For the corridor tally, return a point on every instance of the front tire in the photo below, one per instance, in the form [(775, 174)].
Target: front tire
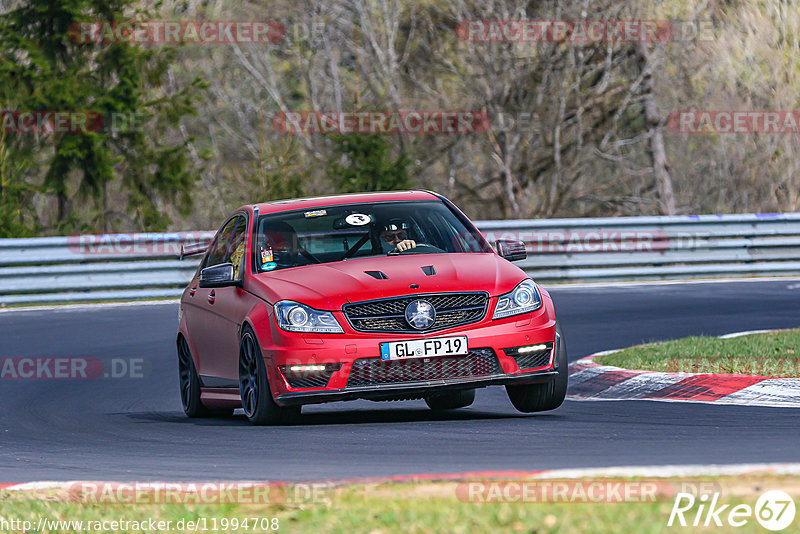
[(451, 400), (530, 398), (257, 401), (190, 386)]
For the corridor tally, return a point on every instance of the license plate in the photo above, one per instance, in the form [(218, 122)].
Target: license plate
[(424, 348)]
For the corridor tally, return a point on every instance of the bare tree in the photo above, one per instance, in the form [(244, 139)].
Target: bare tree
[(576, 128)]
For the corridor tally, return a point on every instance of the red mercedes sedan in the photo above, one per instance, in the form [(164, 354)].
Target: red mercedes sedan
[(379, 296)]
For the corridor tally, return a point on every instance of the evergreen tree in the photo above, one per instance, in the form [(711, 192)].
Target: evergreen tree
[(15, 194), (44, 68), (368, 164)]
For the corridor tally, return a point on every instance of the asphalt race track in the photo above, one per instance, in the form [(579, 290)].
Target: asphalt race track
[(134, 428)]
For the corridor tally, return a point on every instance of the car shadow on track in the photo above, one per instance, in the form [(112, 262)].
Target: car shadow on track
[(348, 417)]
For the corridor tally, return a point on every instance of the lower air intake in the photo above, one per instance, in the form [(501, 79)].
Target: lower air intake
[(309, 379), (375, 372), (531, 360)]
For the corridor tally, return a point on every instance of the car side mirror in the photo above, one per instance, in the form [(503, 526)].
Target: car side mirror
[(510, 249), (218, 276)]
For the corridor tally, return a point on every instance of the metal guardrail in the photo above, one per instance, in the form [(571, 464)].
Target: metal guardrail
[(95, 267), (144, 266)]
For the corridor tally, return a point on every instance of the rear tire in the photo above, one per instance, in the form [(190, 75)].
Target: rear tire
[(190, 386), (530, 398), (257, 401), (451, 400)]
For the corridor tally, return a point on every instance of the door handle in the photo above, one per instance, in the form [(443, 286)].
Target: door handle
[(211, 297)]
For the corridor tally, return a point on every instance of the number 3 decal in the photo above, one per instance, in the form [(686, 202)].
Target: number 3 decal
[(357, 219)]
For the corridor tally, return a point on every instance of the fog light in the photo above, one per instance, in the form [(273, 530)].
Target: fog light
[(310, 369), (306, 368), (531, 348)]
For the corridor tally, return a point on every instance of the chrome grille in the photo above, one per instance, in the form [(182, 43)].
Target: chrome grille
[(374, 371), (388, 315)]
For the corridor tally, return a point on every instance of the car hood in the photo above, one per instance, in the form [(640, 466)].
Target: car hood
[(329, 286)]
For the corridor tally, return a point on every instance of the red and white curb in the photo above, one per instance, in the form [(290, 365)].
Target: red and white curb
[(656, 471), (591, 381)]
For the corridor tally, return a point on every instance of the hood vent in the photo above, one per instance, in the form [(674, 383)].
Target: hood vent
[(377, 275), (429, 270)]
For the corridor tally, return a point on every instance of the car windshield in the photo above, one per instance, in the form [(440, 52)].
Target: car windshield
[(339, 233)]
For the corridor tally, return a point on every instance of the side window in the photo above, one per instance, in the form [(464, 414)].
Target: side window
[(236, 249), (219, 252), (207, 257)]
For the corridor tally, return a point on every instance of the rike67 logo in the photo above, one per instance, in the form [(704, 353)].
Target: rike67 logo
[(774, 510)]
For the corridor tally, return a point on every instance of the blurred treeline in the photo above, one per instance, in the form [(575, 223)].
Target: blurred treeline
[(576, 129)]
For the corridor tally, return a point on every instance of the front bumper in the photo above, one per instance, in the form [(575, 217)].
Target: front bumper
[(410, 389), (284, 349)]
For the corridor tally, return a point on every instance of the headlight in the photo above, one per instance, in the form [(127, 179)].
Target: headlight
[(295, 317), (525, 298)]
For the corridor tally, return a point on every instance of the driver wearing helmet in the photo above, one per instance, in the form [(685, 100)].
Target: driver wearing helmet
[(396, 234)]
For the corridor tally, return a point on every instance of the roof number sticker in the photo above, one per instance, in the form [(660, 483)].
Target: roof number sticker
[(357, 219)]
